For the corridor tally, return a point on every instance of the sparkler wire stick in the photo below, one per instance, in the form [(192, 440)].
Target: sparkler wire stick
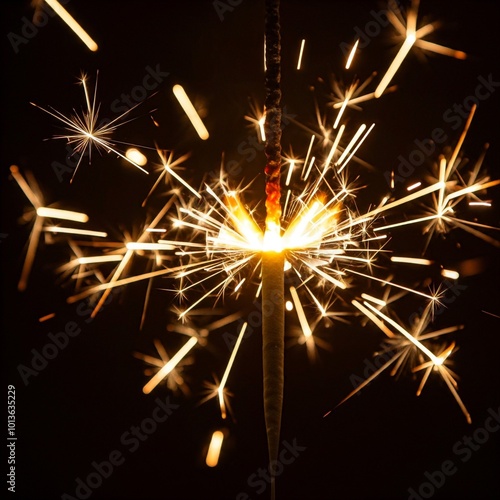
[(273, 302)]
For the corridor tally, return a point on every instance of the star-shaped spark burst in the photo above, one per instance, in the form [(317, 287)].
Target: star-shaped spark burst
[(84, 130), (413, 37), (455, 188), (409, 348)]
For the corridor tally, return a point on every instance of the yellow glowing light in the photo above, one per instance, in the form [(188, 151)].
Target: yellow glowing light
[(55, 213), (248, 234), (351, 55), (135, 156), (299, 62), (70, 21), (98, 259), (288, 305), (414, 186), (343, 106), (190, 111), (396, 63), (214, 449), (309, 226), (262, 129), (170, 365), (138, 245), (220, 390), (307, 155), (306, 329), (479, 204), (290, 172), (272, 241), (46, 317), (32, 197), (363, 98), (448, 273), (345, 162), (373, 317), (440, 49), (380, 302), (405, 333), (412, 260), (70, 230), (334, 148), (348, 148)]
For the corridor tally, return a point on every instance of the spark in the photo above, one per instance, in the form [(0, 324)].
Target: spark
[(135, 156), (448, 273), (46, 317), (261, 122), (70, 21), (330, 246), (414, 186), (139, 245), (41, 213), (412, 260), (172, 363), (396, 63), (55, 213), (190, 111), (306, 329), (299, 62), (406, 343), (451, 191), (351, 55), (370, 298), (72, 230), (220, 390), (99, 259), (348, 148), (214, 449), (412, 37)]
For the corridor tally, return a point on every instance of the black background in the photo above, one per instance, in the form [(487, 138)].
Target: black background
[(74, 412)]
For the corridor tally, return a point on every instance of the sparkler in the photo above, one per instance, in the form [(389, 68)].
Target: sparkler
[(317, 238)]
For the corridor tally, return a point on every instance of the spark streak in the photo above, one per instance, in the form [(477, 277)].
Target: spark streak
[(214, 449), (299, 62), (190, 111), (172, 363), (70, 21), (220, 390)]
